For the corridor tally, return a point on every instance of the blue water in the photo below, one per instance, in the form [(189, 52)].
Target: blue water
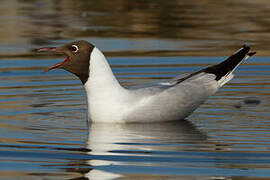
[(44, 131), (43, 117)]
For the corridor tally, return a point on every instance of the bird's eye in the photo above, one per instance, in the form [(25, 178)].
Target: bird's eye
[(74, 48)]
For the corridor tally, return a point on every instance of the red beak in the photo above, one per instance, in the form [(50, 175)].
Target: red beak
[(56, 65), (51, 49), (46, 49)]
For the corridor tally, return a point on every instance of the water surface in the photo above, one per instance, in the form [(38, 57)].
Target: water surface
[(43, 117), (44, 130)]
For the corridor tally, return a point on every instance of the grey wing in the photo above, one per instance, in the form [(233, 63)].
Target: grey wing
[(174, 101), (223, 72), (169, 83), (186, 78), (216, 74), (179, 97), (199, 80)]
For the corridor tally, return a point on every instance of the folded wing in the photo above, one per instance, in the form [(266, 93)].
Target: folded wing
[(222, 72)]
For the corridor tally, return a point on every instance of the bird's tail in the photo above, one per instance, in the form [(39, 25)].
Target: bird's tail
[(224, 70)]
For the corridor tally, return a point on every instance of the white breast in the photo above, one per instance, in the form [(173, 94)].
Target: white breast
[(107, 99)]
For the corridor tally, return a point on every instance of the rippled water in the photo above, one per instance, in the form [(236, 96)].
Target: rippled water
[(44, 131), (43, 117)]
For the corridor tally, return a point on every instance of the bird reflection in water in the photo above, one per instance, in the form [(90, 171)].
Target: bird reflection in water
[(112, 145)]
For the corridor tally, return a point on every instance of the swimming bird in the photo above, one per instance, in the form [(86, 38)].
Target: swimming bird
[(172, 100)]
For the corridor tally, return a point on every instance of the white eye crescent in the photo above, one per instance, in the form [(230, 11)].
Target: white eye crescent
[(74, 48)]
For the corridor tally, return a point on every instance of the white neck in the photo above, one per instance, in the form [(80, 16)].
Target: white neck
[(100, 73), (102, 88)]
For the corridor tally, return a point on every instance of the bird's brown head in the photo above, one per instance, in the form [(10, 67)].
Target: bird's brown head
[(78, 58)]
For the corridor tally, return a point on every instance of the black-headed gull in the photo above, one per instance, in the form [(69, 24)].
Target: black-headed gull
[(173, 100)]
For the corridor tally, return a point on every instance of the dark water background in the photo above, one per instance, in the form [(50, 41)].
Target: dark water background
[(43, 128)]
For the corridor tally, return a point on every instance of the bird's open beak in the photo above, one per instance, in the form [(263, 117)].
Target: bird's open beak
[(52, 49), (47, 49)]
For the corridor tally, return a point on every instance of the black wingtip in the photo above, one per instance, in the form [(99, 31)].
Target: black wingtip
[(230, 63), (245, 47), (251, 54), (227, 66)]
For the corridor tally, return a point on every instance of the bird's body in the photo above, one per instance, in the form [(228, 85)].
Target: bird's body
[(174, 100), (108, 101)]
